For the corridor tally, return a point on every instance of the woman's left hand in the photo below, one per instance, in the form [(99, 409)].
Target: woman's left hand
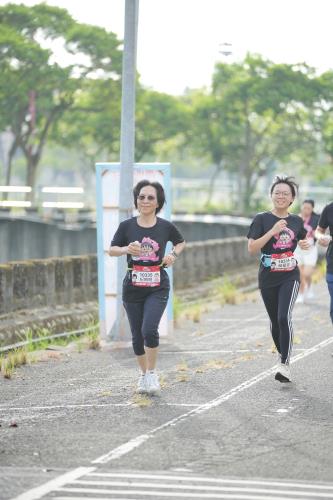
[(304, 244), (168, 260)]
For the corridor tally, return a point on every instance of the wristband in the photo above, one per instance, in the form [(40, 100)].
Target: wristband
[(174, 254)]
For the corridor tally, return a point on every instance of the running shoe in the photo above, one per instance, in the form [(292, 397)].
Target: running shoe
[(309, 293), (153, 384), (283, 373), (141, 387)]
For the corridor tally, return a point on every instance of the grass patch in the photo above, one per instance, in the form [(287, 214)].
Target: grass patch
[(194, 312), (94, 341), (182, 366), (38, 340), (214, 364), (13, 360), (227, 292), (141, 400)]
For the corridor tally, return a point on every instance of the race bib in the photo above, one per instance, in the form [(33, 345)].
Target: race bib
[(283, 262), (146, 276)]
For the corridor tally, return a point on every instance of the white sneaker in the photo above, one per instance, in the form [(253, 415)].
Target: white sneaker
[(153, 384), (283, 373), (309, 293), (300, 299), (141, 387)]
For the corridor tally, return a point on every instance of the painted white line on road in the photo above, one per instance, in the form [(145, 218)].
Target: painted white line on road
[(224, 488), (230, 327), (168, 477), (52, 485), (226, 351), (243, 496), (63, 407), (106, 405), (130, 445)]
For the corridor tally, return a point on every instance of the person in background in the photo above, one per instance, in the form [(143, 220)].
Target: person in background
[(307, 259), (325, 240)]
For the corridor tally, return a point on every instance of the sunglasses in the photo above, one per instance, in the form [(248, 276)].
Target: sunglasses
[(149, 197)]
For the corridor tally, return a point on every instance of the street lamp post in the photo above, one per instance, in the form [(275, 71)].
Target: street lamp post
[(127, 145)]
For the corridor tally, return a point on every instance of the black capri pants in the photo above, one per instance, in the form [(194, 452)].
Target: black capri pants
[(144, 318)]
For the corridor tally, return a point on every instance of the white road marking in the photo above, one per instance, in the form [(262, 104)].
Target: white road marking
[(102, 405), (58, 482), (230, 327), (130, 445), (234, 494), (124, 449), (63, 407), (287, 484), (207, 488)]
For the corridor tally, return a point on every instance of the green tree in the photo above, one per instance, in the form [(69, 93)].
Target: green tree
[(256, 114), (37, 85), (159, 118)]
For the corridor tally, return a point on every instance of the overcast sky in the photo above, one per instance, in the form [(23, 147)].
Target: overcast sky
[(179, 40)]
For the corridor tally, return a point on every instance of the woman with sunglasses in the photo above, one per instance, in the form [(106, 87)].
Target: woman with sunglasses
[(146, 284), (275, 235)]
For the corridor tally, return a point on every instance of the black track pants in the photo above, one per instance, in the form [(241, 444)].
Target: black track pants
[(279, 302)]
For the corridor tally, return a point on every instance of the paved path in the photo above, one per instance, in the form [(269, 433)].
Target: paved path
[(223, 427)]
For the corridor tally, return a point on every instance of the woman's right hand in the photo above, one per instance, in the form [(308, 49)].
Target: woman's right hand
[(134, 248), (278, 227)]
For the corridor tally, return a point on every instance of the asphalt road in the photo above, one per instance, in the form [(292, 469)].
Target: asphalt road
[(223, 427)]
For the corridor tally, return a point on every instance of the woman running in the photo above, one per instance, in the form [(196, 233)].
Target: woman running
[(275, 234), (146, 285), (325, 240), (307, 259)]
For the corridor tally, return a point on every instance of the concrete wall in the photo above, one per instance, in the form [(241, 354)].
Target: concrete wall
[(22, 239), (41, 283)]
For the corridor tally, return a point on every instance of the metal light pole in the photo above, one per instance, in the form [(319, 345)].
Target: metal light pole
[(127, 145)]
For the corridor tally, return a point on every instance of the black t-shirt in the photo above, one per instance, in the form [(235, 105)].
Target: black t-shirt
[(153, 242), (280, 243), (311, 225), (325, 221)]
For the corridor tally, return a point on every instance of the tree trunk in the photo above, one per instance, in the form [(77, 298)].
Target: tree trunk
[(11, 154), (32, 163), (212, 181)]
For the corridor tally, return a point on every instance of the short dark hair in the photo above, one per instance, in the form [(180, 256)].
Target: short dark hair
[(311, 202), (285, 179), (159, 193)]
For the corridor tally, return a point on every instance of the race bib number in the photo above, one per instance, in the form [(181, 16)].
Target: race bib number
[(283, 262), (146, 276)]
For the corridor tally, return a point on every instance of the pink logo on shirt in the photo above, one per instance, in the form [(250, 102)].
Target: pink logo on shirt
[(149, 249), (284, 239)]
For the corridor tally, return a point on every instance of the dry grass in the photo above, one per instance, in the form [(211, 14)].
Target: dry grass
[(182, 366), (163, 382), (246, 357), (14, 359), (141, 400), (183, 377), (214, 364), (94, 341), (105, 394), (228, 294)]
